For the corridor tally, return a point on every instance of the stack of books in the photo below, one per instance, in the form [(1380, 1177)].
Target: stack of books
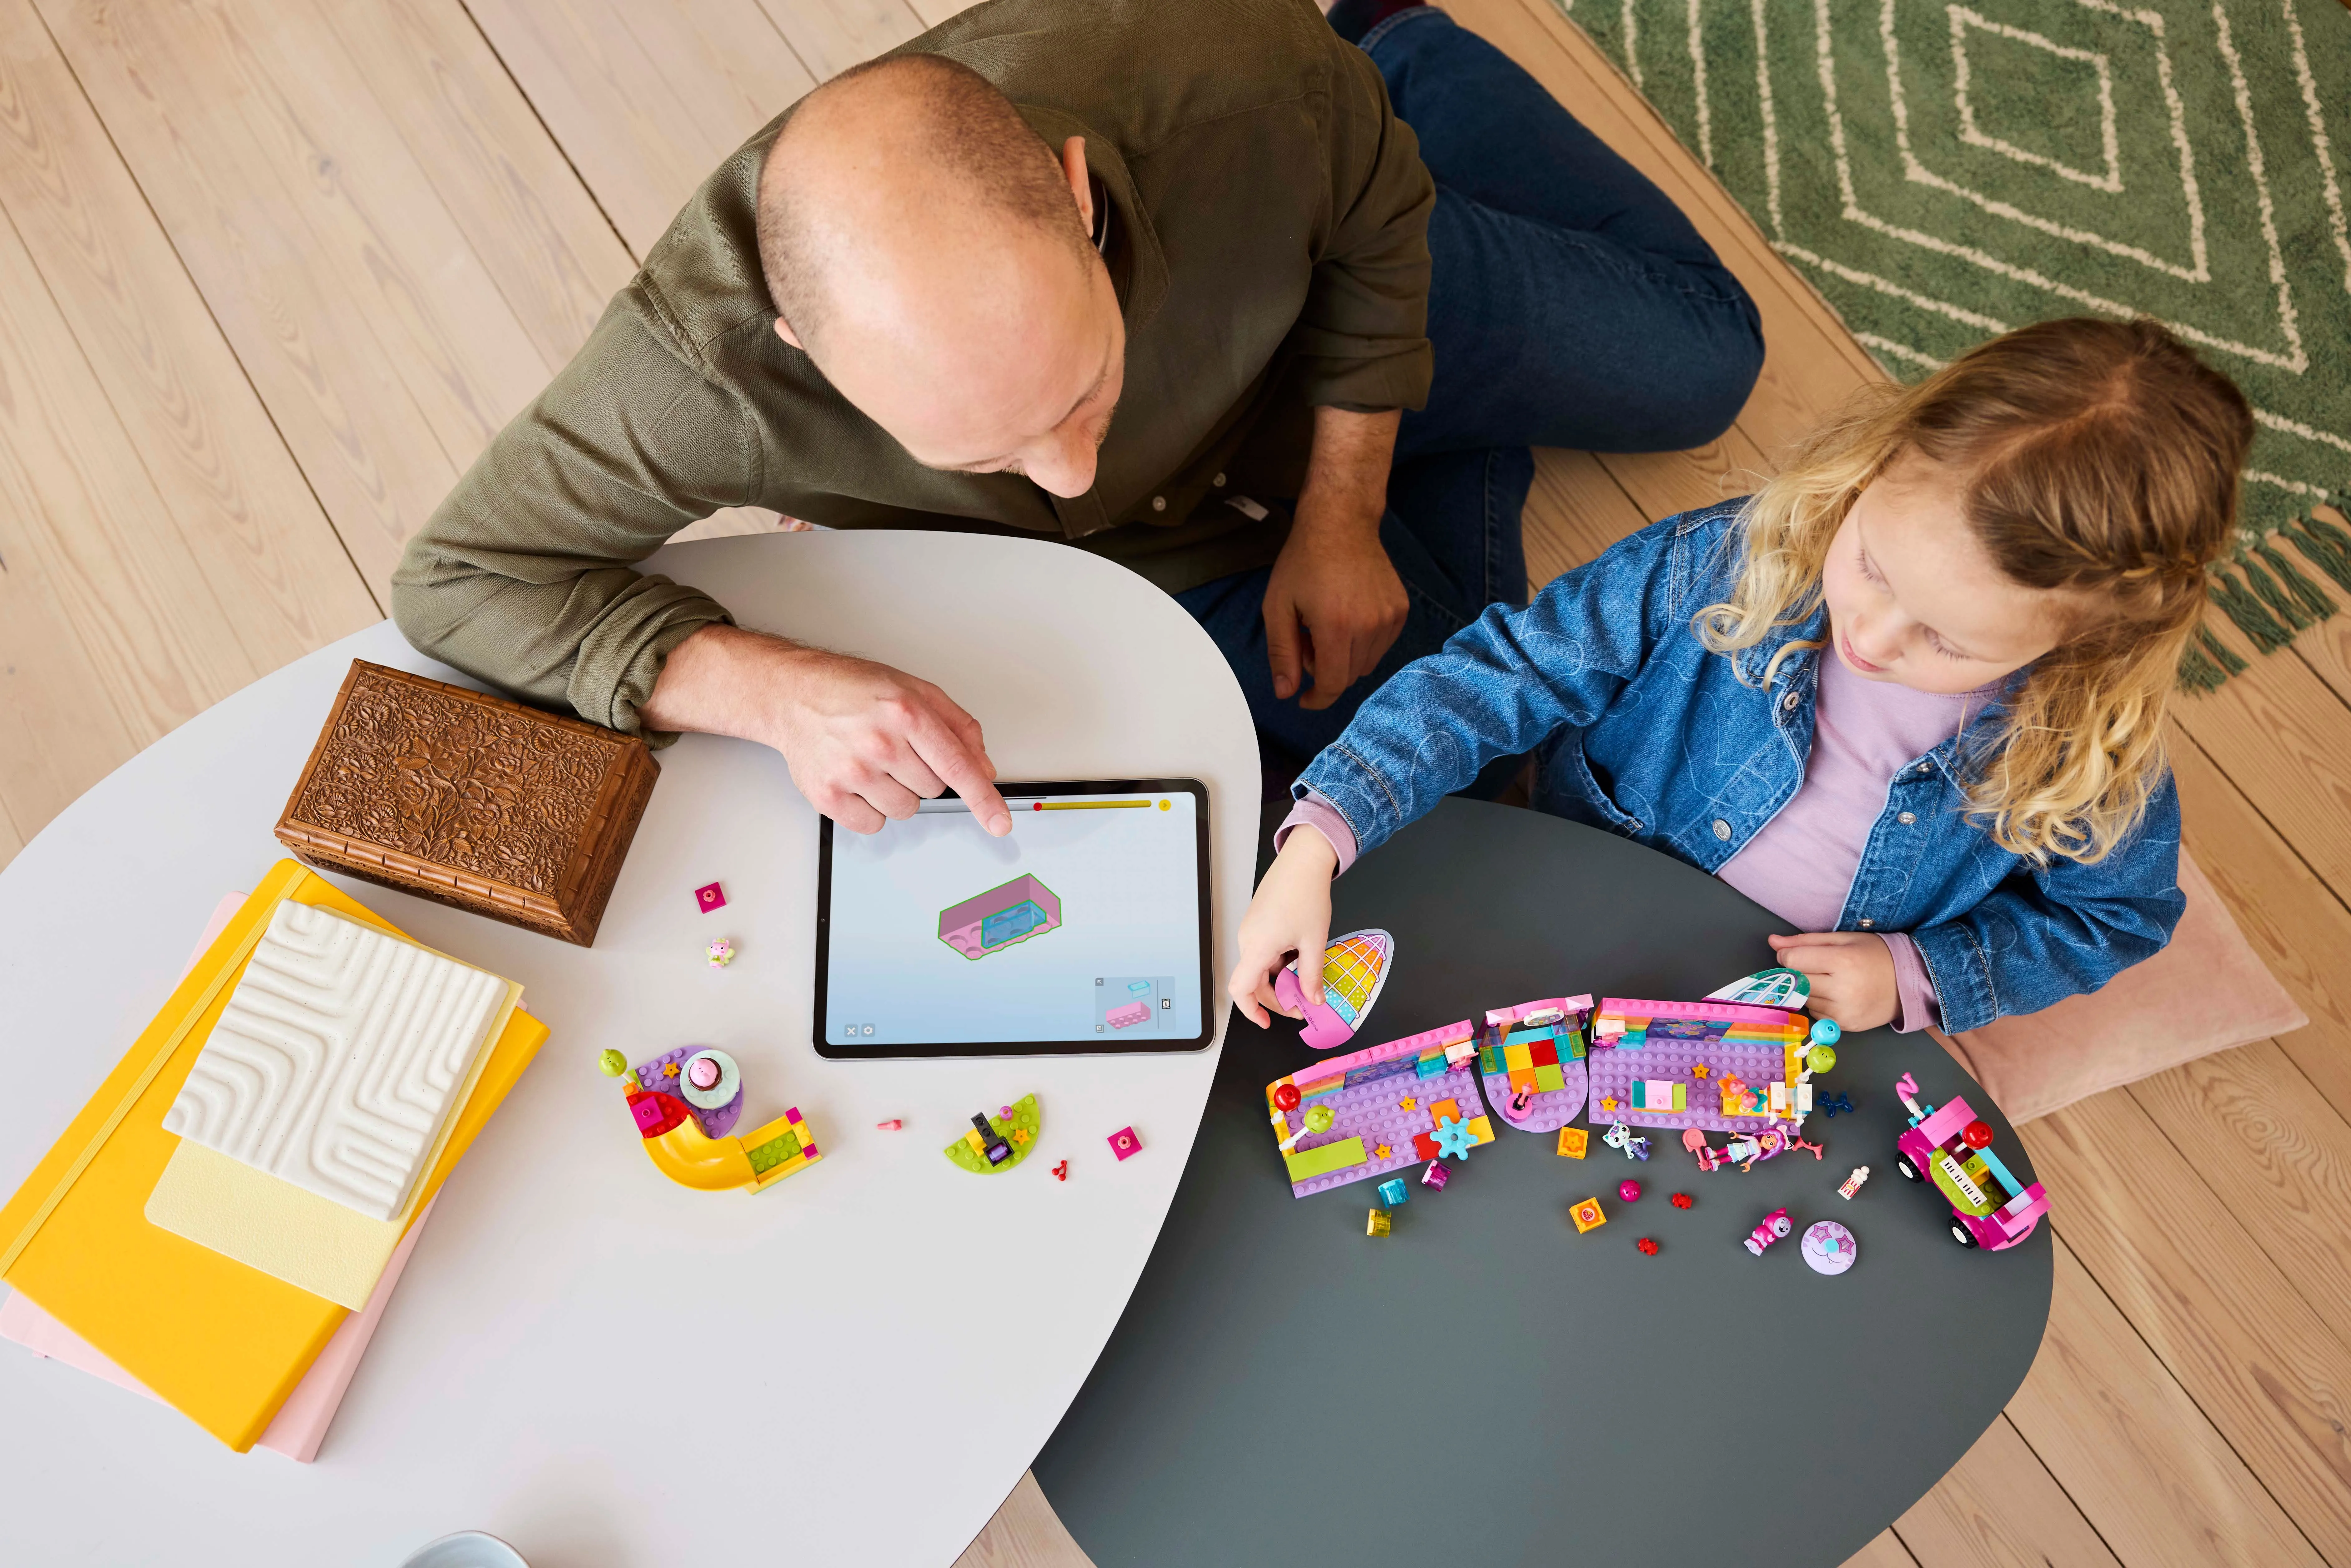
[(221, 1227)]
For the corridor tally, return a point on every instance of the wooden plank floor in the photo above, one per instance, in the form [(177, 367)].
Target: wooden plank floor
[(273, 271)]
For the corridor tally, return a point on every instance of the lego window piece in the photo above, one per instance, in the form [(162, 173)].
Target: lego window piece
[(1355, 970), (1008, 1141)]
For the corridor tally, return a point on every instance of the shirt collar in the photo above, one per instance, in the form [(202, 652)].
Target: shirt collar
[(1129, 246)]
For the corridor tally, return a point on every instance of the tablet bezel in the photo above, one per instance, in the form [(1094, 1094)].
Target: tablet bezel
[(1090, 1045)]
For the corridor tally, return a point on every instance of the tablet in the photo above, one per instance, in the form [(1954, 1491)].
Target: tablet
[(1084, 929)]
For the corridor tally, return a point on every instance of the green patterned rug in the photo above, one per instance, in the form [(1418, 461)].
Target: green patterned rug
[(1943, 172)]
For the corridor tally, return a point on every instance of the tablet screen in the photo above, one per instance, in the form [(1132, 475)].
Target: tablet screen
[(1084, 929)]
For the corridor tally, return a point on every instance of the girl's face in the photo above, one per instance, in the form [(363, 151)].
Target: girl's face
[(1913, 598)]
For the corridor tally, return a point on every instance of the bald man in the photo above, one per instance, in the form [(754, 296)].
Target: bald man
[(1151, 279)]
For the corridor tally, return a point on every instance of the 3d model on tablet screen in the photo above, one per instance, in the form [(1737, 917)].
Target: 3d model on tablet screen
[(995, 920)]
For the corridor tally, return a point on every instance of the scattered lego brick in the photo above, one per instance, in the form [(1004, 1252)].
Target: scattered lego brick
[(1574, 1142), (1587, 1215), (1123, 1142), (709, 897)]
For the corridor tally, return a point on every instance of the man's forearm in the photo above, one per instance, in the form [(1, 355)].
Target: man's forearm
[(1347, 472), (723, 680)]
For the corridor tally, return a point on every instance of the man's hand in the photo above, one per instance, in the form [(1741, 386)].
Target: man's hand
[(863, 741), (1334, 603), (1851, 973)]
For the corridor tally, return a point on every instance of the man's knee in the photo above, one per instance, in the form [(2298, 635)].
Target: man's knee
[(1712, 384)]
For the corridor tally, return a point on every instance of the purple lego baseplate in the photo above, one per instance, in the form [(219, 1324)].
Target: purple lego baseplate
[(1367, 1091), (652, 1074), (1614, 1071)]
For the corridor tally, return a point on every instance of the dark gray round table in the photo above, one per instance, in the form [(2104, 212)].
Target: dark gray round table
[(1486, 1385)]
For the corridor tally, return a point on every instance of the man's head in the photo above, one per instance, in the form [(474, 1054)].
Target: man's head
[(932, 255)]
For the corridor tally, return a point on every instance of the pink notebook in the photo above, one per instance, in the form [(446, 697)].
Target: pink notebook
[(301, 1423)]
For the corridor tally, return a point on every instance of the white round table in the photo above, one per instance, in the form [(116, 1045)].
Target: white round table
[(853, 1367)]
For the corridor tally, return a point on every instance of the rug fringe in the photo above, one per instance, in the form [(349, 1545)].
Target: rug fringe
[(2262, 629), (2324, 544)]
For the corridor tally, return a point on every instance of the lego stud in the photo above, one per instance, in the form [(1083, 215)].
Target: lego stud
[(1394, 1193), (1377, 1225), (612, 1064), (1648, 1246), (1630, 1191), (1682, 1200), (1123, 1142)]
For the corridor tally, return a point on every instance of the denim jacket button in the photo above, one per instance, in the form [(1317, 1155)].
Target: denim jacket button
[(1907, 817), (1722, 829), (1633, 824), (1788, 703), (1867, 923)]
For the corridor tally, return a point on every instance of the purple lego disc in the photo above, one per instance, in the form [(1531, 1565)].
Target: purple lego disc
[(1829, 1248)]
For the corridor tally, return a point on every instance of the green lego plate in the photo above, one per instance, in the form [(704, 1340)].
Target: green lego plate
[(1020, 1129)]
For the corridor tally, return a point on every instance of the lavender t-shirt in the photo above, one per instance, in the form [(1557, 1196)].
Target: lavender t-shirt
[(1801, 865)]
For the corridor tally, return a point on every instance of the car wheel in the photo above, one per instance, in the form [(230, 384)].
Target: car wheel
[(1963, 1236), (1909, 1172)]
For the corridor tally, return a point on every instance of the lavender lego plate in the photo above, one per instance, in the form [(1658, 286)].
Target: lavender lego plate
[(1525, 1049)]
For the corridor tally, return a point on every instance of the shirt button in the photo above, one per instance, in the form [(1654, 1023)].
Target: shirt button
[(1867, 923), (1158, 503), (1907, 817), (1722, 829), (1218, 481)]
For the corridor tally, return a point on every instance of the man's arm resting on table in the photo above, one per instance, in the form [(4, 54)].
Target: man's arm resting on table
[(863, 741), (1334, 604)]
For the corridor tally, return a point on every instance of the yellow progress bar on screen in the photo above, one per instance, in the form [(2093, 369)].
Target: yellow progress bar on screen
[(1084, 805)]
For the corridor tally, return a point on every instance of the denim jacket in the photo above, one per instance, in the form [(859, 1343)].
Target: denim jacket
[(1637, 729)]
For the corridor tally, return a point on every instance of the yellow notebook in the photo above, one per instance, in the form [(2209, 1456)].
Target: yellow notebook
[(223, 1343)]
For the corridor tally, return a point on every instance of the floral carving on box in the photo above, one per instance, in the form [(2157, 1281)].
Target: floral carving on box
[(482, 788)]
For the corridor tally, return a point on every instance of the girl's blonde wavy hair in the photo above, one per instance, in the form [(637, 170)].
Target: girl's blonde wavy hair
[(2096, 457)]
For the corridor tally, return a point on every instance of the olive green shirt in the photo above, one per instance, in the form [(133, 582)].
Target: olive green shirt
[(1268, 240)]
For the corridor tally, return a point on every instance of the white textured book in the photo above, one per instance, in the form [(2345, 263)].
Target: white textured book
[(339, 1056)]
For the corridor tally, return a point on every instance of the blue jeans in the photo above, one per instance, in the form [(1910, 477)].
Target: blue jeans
[(1570, 305)]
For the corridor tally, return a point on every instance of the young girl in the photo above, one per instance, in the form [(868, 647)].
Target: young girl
[(1908, 697)]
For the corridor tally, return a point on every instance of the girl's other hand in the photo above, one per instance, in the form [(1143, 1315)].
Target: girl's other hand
[(1851, 973), (1290, 915)]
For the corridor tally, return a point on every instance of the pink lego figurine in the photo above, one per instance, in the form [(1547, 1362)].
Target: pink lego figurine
[(1775, 1225)]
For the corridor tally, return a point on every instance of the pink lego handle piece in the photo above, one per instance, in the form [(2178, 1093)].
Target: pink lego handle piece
[(1325, 1030)]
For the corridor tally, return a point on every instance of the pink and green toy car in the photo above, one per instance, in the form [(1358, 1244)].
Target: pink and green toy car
[(1951, 1148)]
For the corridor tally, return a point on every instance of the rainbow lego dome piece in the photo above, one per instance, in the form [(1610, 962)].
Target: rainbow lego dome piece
[(1354, 968)]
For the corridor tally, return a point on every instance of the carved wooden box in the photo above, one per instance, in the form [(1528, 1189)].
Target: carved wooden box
[(470, 800)]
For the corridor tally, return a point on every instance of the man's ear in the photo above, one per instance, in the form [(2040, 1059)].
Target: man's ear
[(1081, 185), (784, 331)]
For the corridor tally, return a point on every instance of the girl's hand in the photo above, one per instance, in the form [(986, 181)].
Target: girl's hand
[(1851, 973), (1289, 916)]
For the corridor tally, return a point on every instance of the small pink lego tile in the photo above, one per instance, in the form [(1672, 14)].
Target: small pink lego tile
[(709, 897), (1123, 1142)]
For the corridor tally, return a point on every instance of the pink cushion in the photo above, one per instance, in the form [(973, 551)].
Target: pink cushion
[(2203, 993)]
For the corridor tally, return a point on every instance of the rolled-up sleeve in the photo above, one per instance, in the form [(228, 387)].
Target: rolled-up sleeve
[(1362, 340), (525, 576)]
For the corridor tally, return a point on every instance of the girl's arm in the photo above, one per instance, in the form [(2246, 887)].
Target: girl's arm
[(1500, 686), (2060, 930)]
